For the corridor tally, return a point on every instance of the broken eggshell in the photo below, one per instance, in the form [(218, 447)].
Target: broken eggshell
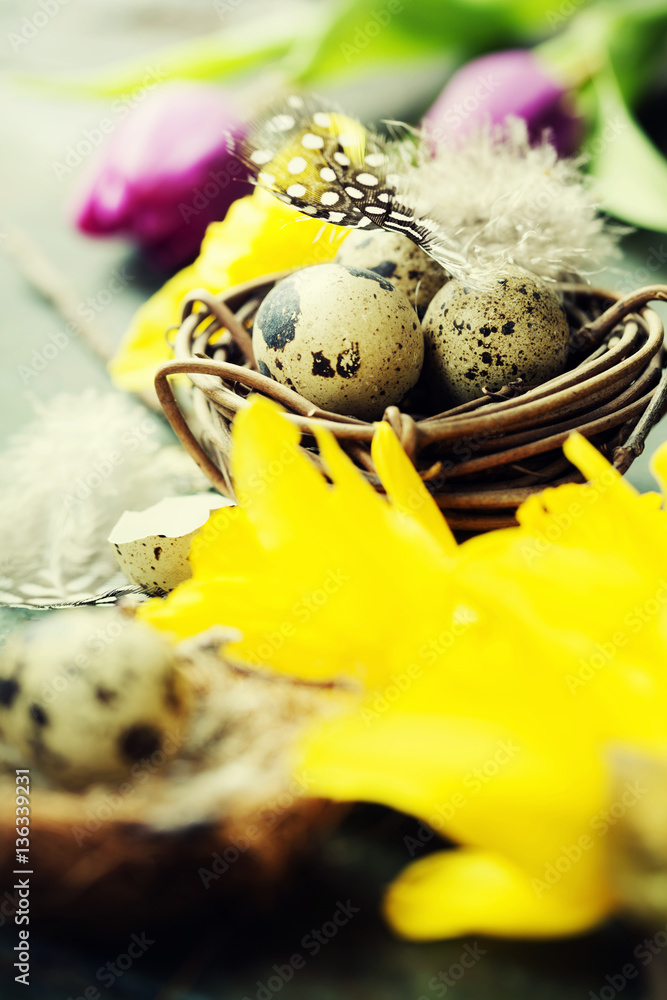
[(152, 546)]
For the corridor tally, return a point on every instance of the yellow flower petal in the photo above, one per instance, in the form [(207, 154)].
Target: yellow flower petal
[(405, 487), (363, 758), (468, 891), (272, 477)]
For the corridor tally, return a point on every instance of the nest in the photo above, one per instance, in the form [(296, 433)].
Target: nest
[(223, 820), (479, 460)]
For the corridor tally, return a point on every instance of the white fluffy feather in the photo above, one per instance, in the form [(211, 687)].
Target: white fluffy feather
[(65, 479), (500, 200)]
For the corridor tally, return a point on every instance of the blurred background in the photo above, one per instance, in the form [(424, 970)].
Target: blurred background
[(76, 75)]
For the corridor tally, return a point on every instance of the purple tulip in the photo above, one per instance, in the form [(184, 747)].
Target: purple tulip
[(165, 172), (494, 86)]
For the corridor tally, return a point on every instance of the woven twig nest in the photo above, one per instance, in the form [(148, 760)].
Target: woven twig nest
[(480, 460), (221, 817)]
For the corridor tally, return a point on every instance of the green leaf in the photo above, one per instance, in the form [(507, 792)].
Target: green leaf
[(358, 40), (629, 32), (630, 173), (637, 45), (363, 33)]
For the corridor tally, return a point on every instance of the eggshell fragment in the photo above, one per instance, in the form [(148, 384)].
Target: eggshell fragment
[(342, 336), (152, 546), (477, 339)]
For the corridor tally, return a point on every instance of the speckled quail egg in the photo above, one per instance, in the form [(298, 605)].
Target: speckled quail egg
[(343, 337), (87, 694), (397, 258), (477, 338)]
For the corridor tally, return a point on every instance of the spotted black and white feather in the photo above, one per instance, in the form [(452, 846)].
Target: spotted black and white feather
[(329, 166), (491, 200), (109, 598)]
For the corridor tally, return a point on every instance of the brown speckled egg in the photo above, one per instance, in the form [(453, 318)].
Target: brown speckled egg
[(341, 336), (490, 338), (90, 695), (397, 258)]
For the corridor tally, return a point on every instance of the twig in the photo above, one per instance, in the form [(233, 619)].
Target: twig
[(610, 318), (625, 454), (52, 285)]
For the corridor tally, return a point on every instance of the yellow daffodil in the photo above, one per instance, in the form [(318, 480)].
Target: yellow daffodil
[(251, 241), (315, 591), (501, 681)]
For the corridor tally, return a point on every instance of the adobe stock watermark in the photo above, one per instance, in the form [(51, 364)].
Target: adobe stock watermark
[(563, 13), (644, 953), (312, 943), (429, 653), (365, 33), (267, 818), (224, 7), (87, 309), (473, 782), (645, 274), (600, 825), (103, 468), (463, 450), (458, 113), (33, 24), (108, 973), (642, 614), (262, 479), (140, 773), (301, 612), (561, 521), (75, 153), (447, 978), (96, 641), (613, 129), (217, 182)]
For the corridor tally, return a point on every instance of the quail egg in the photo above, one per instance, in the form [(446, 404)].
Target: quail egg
[(342, 336), (397, 258), (490, 338), (88, 694)]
